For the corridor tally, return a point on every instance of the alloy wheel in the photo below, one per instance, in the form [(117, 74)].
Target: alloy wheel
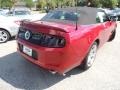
[(92, 55), (3, 36)]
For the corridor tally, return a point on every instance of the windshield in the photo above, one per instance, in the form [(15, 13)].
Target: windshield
[(61, 15), (22, 12)]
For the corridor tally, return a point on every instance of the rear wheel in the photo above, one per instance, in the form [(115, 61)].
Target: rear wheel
[(4, 36), (112, 36), (89, 60)]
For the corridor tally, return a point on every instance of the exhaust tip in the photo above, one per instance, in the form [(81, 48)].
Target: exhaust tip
[(53, 72)]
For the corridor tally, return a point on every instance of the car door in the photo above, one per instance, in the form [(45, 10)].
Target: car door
[(106, 26)]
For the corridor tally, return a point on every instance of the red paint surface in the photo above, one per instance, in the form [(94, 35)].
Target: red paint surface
[(78, 43)]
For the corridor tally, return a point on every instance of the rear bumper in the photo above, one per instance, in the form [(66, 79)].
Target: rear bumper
[(60, 60), (43, 65)]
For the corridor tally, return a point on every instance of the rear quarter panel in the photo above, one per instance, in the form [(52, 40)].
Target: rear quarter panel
[(80, 42)]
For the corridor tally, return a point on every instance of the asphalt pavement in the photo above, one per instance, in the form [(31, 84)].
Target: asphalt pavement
[(16, 73)]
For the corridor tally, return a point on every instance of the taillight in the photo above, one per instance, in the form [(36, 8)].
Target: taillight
[(42, 39), (54, 41), (49, 40)]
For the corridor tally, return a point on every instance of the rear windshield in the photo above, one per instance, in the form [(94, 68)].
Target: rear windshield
[(61, 15)]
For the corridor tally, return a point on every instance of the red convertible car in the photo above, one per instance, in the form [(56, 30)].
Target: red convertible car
[(65, 38)]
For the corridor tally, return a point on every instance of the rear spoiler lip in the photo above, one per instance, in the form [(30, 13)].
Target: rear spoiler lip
[(26, 22)]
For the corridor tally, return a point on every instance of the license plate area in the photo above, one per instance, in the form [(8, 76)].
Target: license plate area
[(27, 50)]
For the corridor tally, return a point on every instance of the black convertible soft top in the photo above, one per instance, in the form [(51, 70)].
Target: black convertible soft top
[(87, 15)]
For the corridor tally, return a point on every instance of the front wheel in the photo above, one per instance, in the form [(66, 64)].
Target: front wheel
[(4, 36), (89, 60)]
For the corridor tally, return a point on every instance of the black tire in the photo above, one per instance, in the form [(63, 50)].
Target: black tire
[(85, 64), (112, 37), (7, 36)]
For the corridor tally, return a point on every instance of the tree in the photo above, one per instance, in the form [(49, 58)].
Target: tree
[(41, 4), (102, 3), (14, 2), (29, 3), (96, 3), (51, 4), (118, 3), (6, 3), (109, 3), (0, 3)]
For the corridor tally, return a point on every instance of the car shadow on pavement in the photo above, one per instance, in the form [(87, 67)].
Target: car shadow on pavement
[(22, 74), (12, 38)]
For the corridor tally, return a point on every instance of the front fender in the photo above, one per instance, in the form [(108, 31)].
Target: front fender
[(5, 28), (12, 29)]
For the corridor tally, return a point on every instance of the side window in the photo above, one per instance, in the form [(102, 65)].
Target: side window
[(70, 16), (101, 17), (10, 13)]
